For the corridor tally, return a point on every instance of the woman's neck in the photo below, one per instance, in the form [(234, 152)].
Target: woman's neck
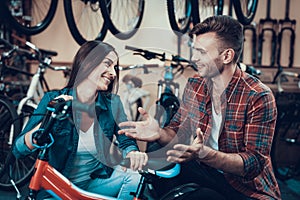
[(86, 94)]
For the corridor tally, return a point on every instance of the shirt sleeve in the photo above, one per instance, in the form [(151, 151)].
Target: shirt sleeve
[(20, 149), (259, 132), (126, 144)]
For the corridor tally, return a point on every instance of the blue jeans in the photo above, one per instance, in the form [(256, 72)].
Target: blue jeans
[(118, 185)]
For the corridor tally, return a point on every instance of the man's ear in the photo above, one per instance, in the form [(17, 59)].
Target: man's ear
[(228, 56)]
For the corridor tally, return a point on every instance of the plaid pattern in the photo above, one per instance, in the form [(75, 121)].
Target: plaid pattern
[(249, 117)]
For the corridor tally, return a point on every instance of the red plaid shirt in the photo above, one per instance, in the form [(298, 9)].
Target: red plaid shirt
[(249, 110)]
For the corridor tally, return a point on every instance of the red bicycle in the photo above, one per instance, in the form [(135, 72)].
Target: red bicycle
[(48, 178)]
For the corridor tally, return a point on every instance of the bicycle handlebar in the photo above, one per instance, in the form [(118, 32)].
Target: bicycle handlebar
[(162, 57), (14, 48), (41, 52), (157, 166), (58, 109), (147, 54)]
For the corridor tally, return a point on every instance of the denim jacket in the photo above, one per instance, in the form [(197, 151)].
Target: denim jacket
[(110, 113)]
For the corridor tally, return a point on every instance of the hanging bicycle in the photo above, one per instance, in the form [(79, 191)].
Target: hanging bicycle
[(84, 18)]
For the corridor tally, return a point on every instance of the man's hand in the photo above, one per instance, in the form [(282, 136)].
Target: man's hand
[(137, 160), (147, 130), (183, 153)]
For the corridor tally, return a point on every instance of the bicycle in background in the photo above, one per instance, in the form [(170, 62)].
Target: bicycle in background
[(87, 20), (91, 19), (168, 90), (15, 116), (286, 143), (134, 95)]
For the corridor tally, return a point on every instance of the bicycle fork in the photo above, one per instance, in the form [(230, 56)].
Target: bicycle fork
[(167, 103)]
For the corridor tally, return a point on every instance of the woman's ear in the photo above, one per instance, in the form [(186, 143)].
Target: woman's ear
[(228, 55)]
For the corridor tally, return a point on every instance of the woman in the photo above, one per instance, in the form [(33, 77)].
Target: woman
[(81, 151)]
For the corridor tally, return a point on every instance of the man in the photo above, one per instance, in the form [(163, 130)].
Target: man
[(231, 114)]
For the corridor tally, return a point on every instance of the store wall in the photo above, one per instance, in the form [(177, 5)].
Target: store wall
[(155, 33), (154, 25)]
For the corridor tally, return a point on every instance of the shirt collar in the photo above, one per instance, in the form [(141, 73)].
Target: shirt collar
[(233, 83)]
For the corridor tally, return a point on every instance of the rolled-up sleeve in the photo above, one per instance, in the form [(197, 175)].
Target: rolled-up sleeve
[(259, 132)]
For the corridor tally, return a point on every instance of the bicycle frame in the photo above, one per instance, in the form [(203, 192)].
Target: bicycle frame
[(57, 185), (34, 93), (48, 178)]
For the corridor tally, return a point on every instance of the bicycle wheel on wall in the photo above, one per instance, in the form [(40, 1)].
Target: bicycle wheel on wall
[(245, 10), (84, 20), (180, 15), (125, 16), (205, 8), (29, 17), (19, 170)]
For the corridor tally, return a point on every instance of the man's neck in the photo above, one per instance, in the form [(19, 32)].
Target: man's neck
[(221, 81), (219, 84)]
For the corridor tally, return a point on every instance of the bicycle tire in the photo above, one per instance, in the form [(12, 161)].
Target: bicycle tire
[(8, 123), (286, 143), (204, 8), (84, 20), (245, 10), (20, 170), (40, 16), (283, 169), (130, 22), (180, 16)]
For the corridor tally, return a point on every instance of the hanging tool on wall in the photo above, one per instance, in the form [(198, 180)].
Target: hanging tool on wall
[(286, 25), (267, 25)]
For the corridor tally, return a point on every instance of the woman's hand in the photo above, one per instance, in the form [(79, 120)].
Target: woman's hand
[(65, 97), (147, 130), (137, 159)]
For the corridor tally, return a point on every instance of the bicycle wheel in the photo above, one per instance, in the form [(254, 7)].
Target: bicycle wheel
[(125, 16), (180, 15), (205, 8), (286, 143), (9, 128), (18, 170), (29, 17), (245, 10), (84, 20)]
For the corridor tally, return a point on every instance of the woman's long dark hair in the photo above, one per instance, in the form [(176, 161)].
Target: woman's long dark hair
[(88, 57)]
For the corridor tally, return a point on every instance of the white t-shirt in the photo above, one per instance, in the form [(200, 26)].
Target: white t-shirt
[(215, 131)]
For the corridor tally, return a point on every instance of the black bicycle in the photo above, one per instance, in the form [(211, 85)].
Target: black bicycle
[(15, 115)]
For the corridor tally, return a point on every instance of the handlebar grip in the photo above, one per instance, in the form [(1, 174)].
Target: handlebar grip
[(133, 48), (57, 104), (29, 44)]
